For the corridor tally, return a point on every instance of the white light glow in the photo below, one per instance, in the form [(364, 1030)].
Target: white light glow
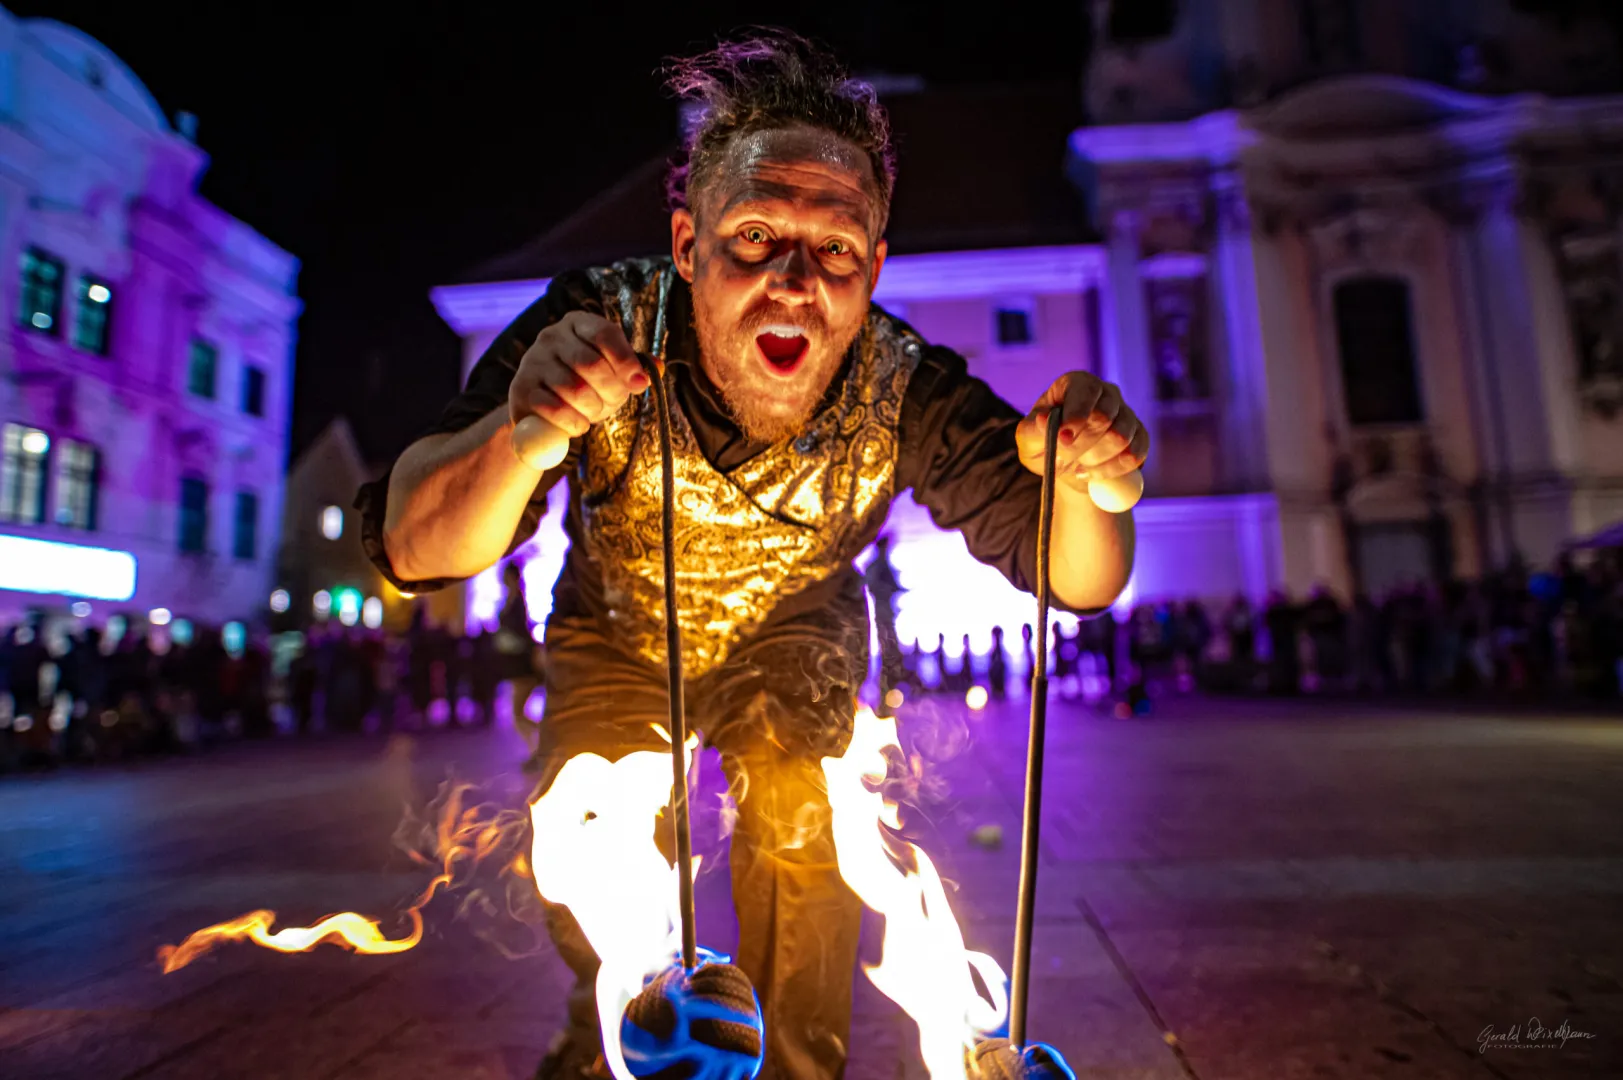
[(80, 609), (159, 616), (332, 522), (280, 601), (372, 613), (36, 442), (542, 557), (975, 698), (46, 566), (949, 592), (322, 602), (99, 294), (349, 607)]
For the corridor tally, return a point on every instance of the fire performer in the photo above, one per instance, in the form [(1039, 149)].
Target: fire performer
[(801, 410)]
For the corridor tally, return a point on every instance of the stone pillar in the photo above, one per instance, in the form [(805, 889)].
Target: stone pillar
[(1126, 330), (1240, 378), (1521, 369)]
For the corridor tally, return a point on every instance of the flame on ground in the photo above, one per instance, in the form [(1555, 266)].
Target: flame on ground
[(924, 966), (464, 838), (594, 852)]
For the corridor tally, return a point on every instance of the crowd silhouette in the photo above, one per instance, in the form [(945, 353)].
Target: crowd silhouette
[(95, 696), (1555, 635), (91, 695)]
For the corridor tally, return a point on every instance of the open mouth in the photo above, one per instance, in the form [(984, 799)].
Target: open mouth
[(783, 348)]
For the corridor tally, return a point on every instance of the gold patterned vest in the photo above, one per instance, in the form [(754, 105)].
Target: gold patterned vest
[(790, 516)]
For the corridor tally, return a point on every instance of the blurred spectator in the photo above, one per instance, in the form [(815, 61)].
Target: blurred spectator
[(883, 586), (997, 667)]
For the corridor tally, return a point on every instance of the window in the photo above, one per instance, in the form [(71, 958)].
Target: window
[(1589, 266), (41, 306), (245, 536), (1374, 335), (23, 451), (194, 514), (201, 367), (253, 391), (1013, 326), (332, 522), (1177, 311), (92, 321), (78, 479)]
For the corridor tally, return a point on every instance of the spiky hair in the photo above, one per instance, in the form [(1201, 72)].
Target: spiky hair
[(768, 79)]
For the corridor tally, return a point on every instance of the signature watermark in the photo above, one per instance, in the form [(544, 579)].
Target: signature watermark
[(1532, 1035)]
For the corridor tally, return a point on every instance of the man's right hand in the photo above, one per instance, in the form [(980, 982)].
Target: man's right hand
[(580, 371)]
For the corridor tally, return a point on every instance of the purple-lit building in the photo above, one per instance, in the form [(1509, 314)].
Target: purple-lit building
[(146, 356), (1357, 265)]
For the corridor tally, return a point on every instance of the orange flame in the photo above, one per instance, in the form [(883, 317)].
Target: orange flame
[(594, 853), (924, 966), (464, 837)]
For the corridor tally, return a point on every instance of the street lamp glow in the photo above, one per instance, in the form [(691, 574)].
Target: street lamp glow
[(36, 442), (159, 616), (332, 523), (975, 698), (280, 601)]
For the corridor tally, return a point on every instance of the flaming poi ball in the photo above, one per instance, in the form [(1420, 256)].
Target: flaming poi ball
[(703, 1025), (999, 1059)]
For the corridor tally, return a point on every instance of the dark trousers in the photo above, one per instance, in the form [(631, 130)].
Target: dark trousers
[(782, 701)]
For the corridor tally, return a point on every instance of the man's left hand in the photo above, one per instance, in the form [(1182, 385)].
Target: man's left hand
[(1101, 437)]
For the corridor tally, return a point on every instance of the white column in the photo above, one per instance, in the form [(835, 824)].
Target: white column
[(1240, 378), (1524, 375), (1125, 328)]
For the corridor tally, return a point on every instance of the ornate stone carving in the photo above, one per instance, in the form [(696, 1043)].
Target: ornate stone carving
[(1360, 235)]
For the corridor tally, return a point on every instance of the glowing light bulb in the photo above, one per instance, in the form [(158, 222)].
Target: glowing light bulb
[(280, 601), (975, 698), (159, 616)]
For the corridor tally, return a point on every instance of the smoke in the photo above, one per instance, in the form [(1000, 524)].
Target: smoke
[(484, 849)]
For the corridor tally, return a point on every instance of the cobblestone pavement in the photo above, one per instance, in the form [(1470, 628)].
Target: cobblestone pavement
[(1229, 891)]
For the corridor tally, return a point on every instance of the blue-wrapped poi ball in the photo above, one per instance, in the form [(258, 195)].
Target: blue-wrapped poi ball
[(699, 1025), (999, 1059)]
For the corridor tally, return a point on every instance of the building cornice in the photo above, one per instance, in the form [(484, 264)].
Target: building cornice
[(490, 305)]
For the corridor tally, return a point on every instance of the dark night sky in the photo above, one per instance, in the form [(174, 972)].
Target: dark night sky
[(390, 150)]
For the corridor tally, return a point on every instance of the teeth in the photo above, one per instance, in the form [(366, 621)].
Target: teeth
[(785, 332)]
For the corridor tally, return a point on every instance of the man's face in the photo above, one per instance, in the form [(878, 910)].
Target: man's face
[(782, 253)]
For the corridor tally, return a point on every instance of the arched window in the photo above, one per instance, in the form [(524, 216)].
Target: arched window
[(1375, 337)]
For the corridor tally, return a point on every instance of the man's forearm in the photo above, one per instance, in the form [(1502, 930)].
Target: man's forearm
[(1092, 552), (455, 501)]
